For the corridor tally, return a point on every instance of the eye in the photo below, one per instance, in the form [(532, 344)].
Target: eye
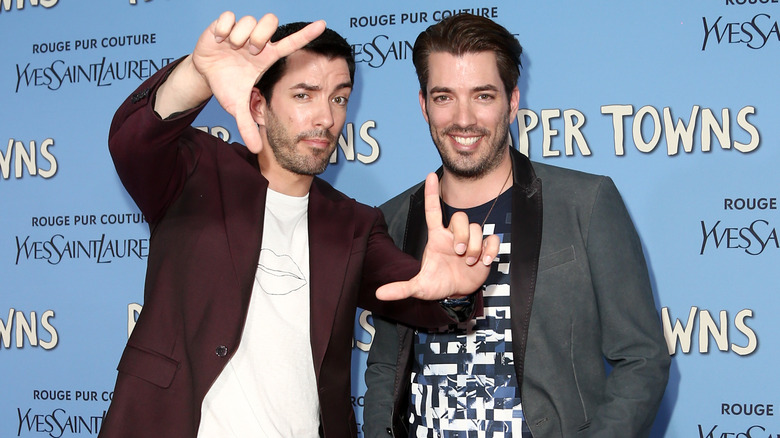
[(340, 100), (440, 98), (300, 96), (485, 96)]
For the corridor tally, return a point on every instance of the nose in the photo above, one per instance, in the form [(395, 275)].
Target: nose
[(323, 115), (464, 113)]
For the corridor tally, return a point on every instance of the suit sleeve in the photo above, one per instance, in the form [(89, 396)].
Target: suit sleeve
[(632, 338), (380, 380), (151, 155)]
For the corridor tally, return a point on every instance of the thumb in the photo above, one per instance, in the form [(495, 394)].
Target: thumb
[(398, 290), (248, 130)]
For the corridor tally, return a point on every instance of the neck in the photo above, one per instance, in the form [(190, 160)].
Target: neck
[(461, 192), (282, 180)]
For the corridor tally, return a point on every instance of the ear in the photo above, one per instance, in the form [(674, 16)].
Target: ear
[(258, 106), (423, 105), (514, 103)]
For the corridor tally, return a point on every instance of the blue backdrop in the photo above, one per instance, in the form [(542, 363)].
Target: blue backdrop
[(677, 101)]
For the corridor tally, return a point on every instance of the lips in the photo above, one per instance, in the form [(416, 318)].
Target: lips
[(465, 141), (465, 138), (322, 143), (287, 276), (320, 139)]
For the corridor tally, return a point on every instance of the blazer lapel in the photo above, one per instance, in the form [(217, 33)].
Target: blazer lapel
[(524, 259), (331, 231), (243, 191), (416, 236)]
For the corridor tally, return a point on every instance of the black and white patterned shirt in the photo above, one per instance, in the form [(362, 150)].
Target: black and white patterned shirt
[(463, 380)]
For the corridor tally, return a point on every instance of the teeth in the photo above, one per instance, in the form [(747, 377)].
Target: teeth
[(466, 141)]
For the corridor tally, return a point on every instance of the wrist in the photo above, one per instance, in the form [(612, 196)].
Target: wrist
[(183, 89)]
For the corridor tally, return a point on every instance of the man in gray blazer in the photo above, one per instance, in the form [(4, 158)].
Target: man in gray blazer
[(569, 342)]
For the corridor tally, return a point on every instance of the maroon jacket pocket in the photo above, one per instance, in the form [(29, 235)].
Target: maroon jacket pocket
[(148, 365)]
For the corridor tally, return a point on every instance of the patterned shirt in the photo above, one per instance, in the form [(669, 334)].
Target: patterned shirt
[(463, 379)]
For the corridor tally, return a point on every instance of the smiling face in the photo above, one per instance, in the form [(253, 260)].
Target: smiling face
[(305, 116), (468, 112)]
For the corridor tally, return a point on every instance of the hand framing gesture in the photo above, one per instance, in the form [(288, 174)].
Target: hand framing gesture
[(456, 261), (228, 60)]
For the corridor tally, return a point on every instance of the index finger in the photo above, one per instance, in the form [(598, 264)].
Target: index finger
[(291, 43), (223, 25), (432, 203)]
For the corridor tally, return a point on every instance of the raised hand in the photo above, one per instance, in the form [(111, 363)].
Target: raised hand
[(228, 60), (456, 261)]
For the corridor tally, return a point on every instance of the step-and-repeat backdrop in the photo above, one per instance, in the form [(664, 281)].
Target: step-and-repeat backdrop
[(677, 101)]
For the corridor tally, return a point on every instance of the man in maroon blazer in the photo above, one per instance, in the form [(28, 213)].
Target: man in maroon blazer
[(256, 266)]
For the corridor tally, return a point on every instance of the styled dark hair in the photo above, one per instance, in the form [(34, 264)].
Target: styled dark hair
[(329, 44), (466, 33)]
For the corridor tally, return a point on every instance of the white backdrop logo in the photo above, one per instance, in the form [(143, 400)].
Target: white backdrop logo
[(9, 5), (645, 129), (366, 329), (347, 144), (31, 158), (34, 329), (743, 342)]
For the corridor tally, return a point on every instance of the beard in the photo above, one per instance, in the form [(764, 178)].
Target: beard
[(285, 148), (472, 164)]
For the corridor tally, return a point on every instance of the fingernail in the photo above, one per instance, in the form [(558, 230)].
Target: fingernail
[(460, 249), (253, 49), (487, 260)]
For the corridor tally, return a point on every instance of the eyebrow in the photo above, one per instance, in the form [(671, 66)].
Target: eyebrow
[(309, 87), (487, 87)]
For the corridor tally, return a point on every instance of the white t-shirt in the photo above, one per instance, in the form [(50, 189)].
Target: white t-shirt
[(268, 388)]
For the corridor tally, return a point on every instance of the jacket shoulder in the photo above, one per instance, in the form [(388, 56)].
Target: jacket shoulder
[(362, 212), (325, 189), (551, 173), (559, 183)]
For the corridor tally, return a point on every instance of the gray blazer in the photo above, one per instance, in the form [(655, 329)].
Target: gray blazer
[(581, 297)]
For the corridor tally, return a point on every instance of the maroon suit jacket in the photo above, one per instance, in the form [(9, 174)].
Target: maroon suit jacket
[(204, 200)]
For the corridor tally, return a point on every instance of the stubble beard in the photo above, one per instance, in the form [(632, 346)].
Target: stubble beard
[(472, 165), (284, 147)]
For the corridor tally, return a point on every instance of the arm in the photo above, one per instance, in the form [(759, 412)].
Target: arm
[(632, 338), (149, 155), (380, 380)]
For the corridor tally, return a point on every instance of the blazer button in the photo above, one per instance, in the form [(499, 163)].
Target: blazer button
[(389, 431), (222, 351)]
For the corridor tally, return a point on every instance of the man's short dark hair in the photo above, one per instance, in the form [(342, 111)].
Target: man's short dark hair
[(329, 44), (466, 33)]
